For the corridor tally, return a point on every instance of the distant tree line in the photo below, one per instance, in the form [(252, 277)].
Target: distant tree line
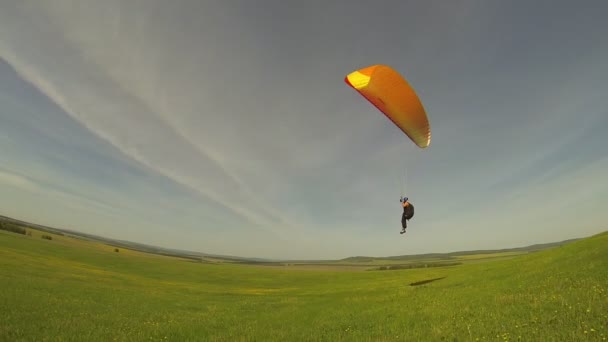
[(20, 228), (11, 227)]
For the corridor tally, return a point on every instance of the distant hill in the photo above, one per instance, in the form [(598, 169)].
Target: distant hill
[(198, 256), (127, 244), (451, 255)]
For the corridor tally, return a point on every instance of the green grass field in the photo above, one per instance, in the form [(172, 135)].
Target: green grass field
[(73, 290)]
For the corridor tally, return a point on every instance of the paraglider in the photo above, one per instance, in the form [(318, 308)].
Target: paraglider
[(408, 213), (390, 93)]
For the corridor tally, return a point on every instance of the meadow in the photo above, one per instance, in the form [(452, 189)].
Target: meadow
[(67, 289)]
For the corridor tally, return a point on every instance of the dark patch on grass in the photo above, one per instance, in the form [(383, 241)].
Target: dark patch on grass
[(417, 265), (422, 282)]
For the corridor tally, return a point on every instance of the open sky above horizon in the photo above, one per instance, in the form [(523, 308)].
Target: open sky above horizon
[(226, 126)]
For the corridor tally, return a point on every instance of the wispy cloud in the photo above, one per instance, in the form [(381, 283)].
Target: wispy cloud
[(9, 178), (89, 92)]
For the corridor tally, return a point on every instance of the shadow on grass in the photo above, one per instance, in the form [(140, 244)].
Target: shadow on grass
[(422, 282)]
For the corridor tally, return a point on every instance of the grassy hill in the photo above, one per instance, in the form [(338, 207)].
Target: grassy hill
[(70, 289), (122, 243)]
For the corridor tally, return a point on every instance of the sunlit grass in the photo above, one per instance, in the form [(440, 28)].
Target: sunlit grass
[(489, 255), (67, 289)]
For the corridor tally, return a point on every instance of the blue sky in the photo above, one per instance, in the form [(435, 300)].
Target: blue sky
[(226, 126)]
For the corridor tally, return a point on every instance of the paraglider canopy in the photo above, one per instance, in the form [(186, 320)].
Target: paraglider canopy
[(392, 95)]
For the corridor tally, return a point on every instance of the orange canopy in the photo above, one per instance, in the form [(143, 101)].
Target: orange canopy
[(392, 95)]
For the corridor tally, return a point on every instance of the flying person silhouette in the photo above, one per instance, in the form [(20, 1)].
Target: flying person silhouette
[(408, 213)]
